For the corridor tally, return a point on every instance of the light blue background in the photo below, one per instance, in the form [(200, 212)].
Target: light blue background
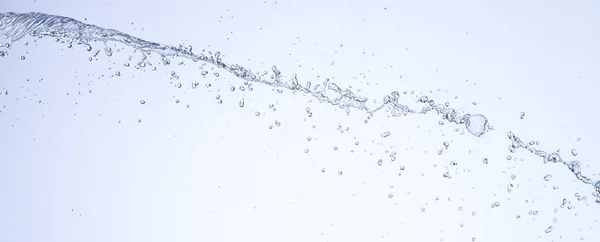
[(69, 171)]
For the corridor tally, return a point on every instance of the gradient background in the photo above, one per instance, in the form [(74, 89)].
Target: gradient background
[(77, 166)]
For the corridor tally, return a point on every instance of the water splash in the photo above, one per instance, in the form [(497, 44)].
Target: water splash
[(15, 26)]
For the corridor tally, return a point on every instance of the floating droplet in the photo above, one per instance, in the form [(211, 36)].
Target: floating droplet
[(550, 229), (142, 102), (522, 115), (574, 152), (22, 57), (476, 124), (242, 103), (385, 134), (380, 162), (485, 160), (547, 177)]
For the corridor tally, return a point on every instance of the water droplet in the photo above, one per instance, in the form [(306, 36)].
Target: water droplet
[(550, 229), (257, 113), (522, 115), (176, 100), (385, 134), (485, 160), (340, 173), (380, 162), (574, 152), (232, 88), (242, 103), (117, 73), (476, 124), (308, 138), (335, 148), (547, 177), (306, 151), (178, 85), (401, 168), (2, 53), (142, 102), (390, 195)]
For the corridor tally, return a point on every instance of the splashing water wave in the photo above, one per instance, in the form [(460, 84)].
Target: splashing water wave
[(16, 26)]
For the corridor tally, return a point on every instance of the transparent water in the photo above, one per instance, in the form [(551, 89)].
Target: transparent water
[(185, 144)]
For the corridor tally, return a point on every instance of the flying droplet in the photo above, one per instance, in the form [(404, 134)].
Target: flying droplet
[(574, 152), (476, 124), (142, 102), (547, 177), (550, 229)]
